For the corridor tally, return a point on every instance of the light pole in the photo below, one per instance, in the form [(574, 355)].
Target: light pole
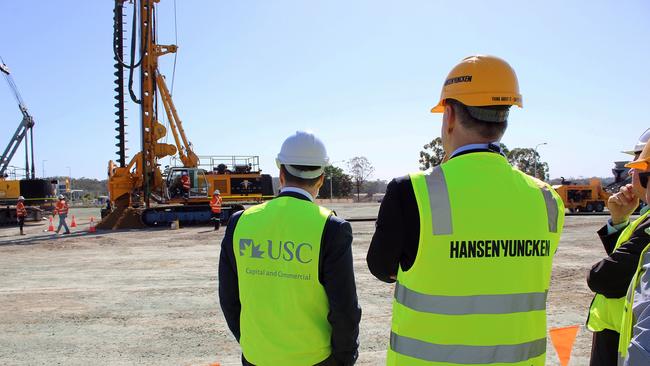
[(536, 155), (43, 166)]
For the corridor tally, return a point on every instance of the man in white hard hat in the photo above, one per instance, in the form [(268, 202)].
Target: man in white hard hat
[(286, 282), (470, 244), (61, 209), (21, 213), (215, 207)]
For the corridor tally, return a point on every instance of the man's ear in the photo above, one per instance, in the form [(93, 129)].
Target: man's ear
[(282, 178), (450, 118)]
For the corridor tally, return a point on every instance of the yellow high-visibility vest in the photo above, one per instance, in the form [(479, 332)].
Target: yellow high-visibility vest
[(283, 305), (606, 313), (476, 293)]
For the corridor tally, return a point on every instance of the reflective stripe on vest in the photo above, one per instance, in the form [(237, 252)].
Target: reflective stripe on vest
[(468, 355), (627, 319), (215, 204), (461, 305), (284, 307), (606, 313), (61, 208), (488, 234), (21, 211)]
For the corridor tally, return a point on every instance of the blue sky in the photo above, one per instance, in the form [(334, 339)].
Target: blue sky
[(361, 74)]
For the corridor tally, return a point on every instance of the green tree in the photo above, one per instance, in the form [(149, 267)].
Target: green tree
[(375, 186), (341, 183), (527, 160), (432, 154), (360, 169)]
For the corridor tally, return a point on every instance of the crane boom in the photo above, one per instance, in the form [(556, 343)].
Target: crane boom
[(24, 127)]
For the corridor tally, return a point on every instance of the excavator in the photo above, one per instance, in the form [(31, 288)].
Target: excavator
[(37, 192), (140, 193)]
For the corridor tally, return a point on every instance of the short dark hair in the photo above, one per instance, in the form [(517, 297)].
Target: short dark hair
[(488, 130), (290, 178)]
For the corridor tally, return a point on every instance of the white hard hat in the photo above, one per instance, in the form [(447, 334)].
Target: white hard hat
[(216, 191), (61, 197), (639, 145), (21, 198), (303, 148)]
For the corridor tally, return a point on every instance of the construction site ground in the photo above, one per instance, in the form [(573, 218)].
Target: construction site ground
[(149, 297)]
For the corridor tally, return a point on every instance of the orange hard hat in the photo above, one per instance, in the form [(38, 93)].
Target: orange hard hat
[(481, 81), (642, 163)]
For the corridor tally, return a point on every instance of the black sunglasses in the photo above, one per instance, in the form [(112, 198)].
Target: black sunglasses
[(643, 179)]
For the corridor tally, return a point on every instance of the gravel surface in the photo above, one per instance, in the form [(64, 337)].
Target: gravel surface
[(150, 296)]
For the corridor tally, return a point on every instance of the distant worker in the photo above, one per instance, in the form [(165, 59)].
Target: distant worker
[(609, 279), (286, 282), (61, 209), (21, 213), (185, 181), (215, 206), (634, 343), (470, 243)]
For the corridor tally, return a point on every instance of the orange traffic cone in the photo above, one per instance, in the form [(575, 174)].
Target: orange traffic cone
[(92, 225), (51, 227), (563, 339), (74, 222)]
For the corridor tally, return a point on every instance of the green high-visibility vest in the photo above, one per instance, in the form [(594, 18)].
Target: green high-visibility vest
[(627, 319), (283, 305), (606, 313), (476, 293)]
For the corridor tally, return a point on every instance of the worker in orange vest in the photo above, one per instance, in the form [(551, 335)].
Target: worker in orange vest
[(61, 209), (21, 213), (215, 206), (185, 180)]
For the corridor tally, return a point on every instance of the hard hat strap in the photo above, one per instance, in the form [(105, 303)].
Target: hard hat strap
[(488, 115)]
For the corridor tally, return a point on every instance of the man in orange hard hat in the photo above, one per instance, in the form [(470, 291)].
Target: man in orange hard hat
[(215, 207), (470, 243), (61, 209), (623, 242), (21, 213)]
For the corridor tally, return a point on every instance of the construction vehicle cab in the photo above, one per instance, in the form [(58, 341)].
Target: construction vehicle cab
[(174, 187)]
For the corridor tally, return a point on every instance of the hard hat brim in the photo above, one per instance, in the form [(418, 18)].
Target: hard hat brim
[(440, 108), (641, 164)]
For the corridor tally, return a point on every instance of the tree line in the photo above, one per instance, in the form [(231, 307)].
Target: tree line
[(523, 158)]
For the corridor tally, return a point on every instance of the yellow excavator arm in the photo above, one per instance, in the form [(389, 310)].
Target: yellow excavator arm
[(184, 147)]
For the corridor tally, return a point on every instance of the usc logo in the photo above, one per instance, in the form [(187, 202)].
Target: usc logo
[(287, 251)]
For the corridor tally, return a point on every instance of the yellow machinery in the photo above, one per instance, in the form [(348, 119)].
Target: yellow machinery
[(37, 192), (136, 184), (583, 198)]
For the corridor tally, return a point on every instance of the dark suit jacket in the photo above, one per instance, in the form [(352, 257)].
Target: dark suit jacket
[(611, 276)]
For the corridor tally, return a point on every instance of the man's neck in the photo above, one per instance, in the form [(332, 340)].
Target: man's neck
[(301, 190)]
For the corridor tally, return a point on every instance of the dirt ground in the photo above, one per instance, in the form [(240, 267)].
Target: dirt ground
[(150, 297)]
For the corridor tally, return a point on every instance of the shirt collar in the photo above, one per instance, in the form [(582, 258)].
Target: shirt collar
[(299, 191), (476, 147)]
